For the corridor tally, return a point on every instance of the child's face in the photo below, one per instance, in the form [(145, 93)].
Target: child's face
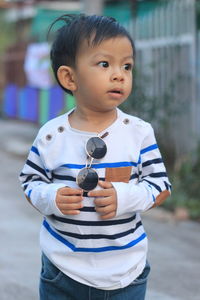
[(103, 74)]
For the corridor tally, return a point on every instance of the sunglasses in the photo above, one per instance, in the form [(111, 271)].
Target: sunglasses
[(87, 179)]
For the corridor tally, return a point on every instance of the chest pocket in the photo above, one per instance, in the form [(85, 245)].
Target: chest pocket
[(121, 174)]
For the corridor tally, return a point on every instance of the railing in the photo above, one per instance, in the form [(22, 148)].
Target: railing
[(166, 59)]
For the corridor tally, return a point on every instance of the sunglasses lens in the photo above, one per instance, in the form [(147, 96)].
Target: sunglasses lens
[(87, 179), (96, 147)]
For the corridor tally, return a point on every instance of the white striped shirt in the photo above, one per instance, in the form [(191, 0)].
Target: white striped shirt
[(106, 254)]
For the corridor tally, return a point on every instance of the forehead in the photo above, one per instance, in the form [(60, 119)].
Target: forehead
[(119, 46)]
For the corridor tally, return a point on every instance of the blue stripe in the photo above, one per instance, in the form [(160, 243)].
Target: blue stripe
[(150, 148), (140, 159), (29, 193), (103, 165), (154, 199), (35, 150), (100, 249)]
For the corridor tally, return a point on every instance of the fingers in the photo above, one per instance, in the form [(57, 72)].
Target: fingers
[(107, 190), (103, 210), (69, 191), (107, 212), (70, 212), (101, 193), (109, 215), (105, 200), (69, 201), (105, 184), (70, 209), (106, 207)]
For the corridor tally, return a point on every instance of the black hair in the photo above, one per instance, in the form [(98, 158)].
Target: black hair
[(77, 28)]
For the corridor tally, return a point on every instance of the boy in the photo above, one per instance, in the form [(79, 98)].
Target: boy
[(91, 171)]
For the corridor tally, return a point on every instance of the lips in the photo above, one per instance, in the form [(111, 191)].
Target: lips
[(116, 91)]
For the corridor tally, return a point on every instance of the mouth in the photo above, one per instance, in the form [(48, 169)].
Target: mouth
[(116, 91)]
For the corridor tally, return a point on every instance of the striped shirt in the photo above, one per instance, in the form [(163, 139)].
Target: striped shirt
[(106, 254)]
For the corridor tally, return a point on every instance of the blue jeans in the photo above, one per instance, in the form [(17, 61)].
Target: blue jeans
[(54, 285)]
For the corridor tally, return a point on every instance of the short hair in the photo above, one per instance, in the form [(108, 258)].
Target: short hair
[(77, 28)]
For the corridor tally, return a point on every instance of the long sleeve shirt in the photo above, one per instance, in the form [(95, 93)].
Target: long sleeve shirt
[(106, 254)]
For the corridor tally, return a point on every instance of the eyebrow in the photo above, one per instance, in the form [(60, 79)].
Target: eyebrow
[(110, 56)]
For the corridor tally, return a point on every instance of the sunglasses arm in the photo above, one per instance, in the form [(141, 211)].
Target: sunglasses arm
[(89, 161)]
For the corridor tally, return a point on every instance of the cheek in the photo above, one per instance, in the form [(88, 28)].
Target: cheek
[(129, 84)]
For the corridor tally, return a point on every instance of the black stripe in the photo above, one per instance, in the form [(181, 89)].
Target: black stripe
[(167, 185), (37, 168), (85, 194), (28, 178), (151, 162), (64, 177), (88, 208), (94, 223), (133, 176), (156, 175), (155, 185), (69, 178), (25, 187), (100, 236), (32, 178)]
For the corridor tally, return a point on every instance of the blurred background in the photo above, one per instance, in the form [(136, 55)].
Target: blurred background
[(166, 92)]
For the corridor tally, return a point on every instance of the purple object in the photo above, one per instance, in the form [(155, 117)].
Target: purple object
[(56, 102)]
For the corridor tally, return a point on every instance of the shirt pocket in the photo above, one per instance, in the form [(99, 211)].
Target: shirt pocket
[(121, 174)]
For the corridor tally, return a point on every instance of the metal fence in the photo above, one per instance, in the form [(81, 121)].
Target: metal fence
[(166, 60)]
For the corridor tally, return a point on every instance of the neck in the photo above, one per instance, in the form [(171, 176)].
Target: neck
[(87, 120), (94, 116)]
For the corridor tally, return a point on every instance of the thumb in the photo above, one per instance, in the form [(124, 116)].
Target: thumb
[(105, 184)]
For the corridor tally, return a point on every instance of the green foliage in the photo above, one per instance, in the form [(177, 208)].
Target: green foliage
[(198, 13), (7, 35), (185, 182)]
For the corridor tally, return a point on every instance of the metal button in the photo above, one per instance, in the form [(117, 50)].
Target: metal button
[(48, 137), (61, 129), (126, 121)]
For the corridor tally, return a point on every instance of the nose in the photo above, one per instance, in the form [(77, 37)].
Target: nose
[(117, 75)]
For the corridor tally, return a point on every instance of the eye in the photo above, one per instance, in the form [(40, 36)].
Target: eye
[(127, 67), (103, 64)]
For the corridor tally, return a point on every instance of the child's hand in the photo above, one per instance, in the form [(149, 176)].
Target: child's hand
[(106, 200), (69, 201)]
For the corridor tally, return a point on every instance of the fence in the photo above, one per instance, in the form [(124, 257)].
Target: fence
[(166, 60)]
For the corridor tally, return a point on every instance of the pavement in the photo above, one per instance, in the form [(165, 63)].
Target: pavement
[(174, 245)]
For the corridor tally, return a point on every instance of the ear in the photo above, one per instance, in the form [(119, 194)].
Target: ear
[(66, 77)]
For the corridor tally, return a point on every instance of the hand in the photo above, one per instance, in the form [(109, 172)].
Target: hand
[(69, 201), (106, 200)]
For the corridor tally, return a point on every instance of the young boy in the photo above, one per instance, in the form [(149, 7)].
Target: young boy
[(91, 171)]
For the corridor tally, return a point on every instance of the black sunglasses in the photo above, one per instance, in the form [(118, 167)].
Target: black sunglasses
[(87, 179)]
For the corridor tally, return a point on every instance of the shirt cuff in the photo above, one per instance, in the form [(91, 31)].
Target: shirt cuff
[(132, 198), (51, 195)]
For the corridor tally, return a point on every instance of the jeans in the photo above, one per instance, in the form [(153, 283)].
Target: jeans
[(54, 285)]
